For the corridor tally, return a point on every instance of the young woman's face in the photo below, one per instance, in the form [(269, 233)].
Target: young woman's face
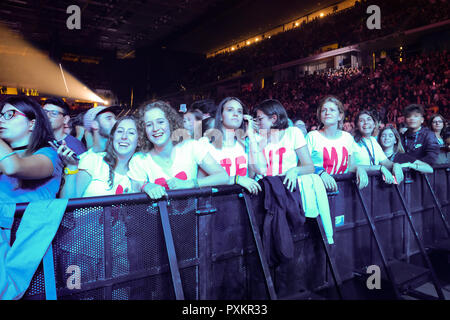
[(264, 121), (157, 127), (437, 124), (232, 115), (329, 114), (366, 125), (387, 139), (125, 138), (17, 130)]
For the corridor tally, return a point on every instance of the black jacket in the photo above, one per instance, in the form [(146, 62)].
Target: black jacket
[(284, 215), (422, 145)]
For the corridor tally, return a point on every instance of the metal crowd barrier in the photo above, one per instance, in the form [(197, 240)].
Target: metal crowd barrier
[(203, 243)]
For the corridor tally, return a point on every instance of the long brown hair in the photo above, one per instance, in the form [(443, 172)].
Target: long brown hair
[(398, 147), (111, 155)]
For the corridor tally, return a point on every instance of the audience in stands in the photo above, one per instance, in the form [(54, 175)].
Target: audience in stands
[(29, 168)]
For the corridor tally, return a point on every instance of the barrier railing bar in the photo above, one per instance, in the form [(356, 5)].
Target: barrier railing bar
[(173, 262), (134, 275), (136, 198)]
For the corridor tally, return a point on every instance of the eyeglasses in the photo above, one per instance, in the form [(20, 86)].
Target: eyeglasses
[(8, 115), (437, 122), (53, 113)]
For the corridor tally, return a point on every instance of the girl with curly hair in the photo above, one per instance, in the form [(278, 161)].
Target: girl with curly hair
[(167, 162)]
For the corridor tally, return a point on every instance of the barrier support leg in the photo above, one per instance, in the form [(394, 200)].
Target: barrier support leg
[(259, 247), (170, 247)]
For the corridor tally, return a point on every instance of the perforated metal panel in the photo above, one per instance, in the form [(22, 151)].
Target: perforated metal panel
[(138, 263)]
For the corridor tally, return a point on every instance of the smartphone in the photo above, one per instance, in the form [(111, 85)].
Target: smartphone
[(74, 155)]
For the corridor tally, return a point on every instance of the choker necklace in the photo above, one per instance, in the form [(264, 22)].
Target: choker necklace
[(20, 148)]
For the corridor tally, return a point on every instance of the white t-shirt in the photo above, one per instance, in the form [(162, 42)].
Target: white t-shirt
[(187, 156), (281, 156), (233, 159), (361, 154), (98, 169), (331, 154)]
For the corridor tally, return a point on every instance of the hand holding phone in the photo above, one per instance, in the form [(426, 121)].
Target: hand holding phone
[(64, 152)]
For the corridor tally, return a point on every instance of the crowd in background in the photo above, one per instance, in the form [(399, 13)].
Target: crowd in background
[(345, 28)]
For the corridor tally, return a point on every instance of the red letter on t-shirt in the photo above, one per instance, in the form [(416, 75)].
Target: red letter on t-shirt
[(226, 163), (241, 171), (330, 163), (280, 159), (344, 162)]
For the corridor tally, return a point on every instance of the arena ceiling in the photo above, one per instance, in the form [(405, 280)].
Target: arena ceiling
[(124, 25)]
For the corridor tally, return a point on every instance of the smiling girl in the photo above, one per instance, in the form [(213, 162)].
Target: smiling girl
[(29, 168), (165, 164), (369, 153), (102, 173)]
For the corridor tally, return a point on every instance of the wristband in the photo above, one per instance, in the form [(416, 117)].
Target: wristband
[(68, 172), (236, 179), (320, 173)]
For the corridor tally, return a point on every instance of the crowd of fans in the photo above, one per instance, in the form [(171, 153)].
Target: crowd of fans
[(345, 27), (422, 79)]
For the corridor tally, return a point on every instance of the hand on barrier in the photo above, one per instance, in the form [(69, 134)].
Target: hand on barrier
[(329, 182), (290, 181), (250, 184), (387, 176), (362, 180), (155, 191), (398, 172)]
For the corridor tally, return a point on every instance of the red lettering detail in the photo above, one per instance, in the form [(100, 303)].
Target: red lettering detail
[(344, 162), (280, 160), (269, 164), (330, 163), (241, 171), (162, 181), (226, 163)]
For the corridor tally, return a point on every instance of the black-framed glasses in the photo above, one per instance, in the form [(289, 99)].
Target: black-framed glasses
[(53, 113), (9, 114), (437, 121)]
